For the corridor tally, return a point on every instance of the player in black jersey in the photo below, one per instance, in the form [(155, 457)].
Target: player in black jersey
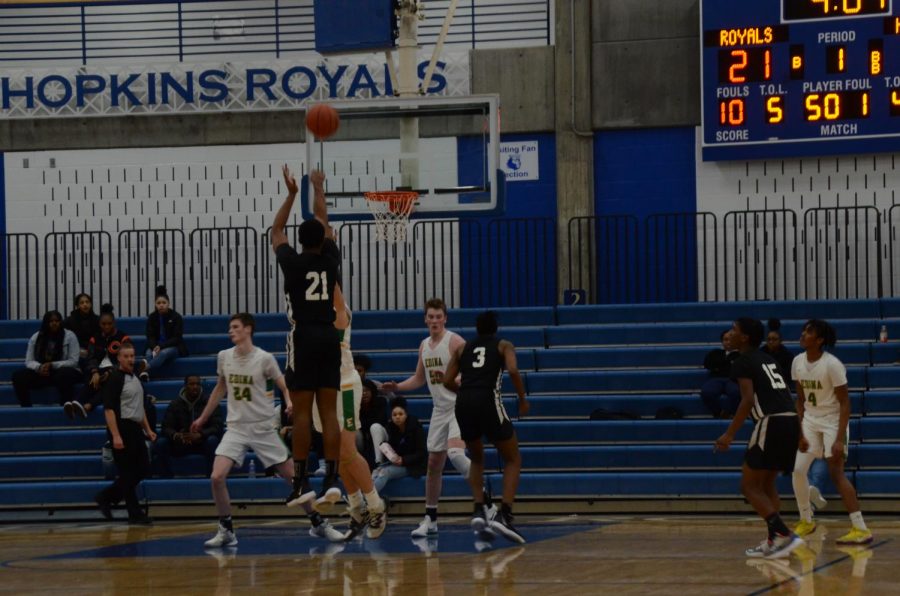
[(313, 370), (480, 413), (773, 444)]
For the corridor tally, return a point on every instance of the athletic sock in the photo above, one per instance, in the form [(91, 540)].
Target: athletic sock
[(355, 499), (226, 523), (806, 513), (478, 508), (856, 519), (431, 512), (299, 471), (315, 519), (330, 474), (373, 497), (776, 526), (506, 508)]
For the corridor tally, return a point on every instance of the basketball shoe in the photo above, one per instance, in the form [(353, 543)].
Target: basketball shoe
[(223, 538), (855, 536)]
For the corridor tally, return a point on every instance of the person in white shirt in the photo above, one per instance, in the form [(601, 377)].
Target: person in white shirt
[(823, 405), (443, 431), (248, 375)]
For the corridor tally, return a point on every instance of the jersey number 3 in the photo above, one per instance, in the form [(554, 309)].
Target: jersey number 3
[(317, 291), (775, 377), (479, 357)]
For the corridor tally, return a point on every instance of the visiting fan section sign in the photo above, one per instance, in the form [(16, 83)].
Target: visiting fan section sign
[(103, 90), (786, 78)]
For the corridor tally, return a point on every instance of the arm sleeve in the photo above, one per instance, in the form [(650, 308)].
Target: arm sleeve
[(111, 393), (419, 453), (174, 338), (70, 352), (168, 426), (837, 372), (30, 360)]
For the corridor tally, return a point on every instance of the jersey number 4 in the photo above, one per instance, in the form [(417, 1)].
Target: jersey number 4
[(317, 291), (775, 377)]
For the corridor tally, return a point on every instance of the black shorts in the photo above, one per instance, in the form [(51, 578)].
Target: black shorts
[(481, 414), (773, 444), (314, 359)]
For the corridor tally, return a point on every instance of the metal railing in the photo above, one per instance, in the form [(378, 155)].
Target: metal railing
[(194, 30)]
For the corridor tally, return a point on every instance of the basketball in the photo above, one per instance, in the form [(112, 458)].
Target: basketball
[(322, 120)]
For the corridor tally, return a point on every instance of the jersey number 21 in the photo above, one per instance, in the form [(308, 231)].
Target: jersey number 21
[(317, 291)]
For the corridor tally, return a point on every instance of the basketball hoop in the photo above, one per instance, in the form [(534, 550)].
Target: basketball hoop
[(391, 209)]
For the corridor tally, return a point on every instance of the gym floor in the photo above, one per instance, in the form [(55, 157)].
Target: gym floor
[(564, 555)]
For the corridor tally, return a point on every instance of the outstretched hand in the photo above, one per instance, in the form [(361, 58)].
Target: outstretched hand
[(317, 177), (289, 181)]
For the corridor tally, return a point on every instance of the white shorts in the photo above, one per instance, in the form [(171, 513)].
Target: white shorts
[(822, 433), (348, 402), (262, 437), (442, 428)]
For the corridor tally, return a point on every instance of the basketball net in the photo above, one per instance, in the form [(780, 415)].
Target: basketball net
[(391, 210)]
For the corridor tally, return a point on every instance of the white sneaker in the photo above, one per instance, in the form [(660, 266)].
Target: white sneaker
[(425, 528), (222, 539), (816, 498), (327, 531), (377, 520), (326, 502)]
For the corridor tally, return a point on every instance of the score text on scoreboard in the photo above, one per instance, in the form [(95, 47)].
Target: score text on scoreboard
[(799, 77)]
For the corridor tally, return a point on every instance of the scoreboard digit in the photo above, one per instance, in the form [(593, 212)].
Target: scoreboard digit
[(786, 78)]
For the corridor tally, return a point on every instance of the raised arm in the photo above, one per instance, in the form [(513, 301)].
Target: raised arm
[(320, 207), (279, 236)]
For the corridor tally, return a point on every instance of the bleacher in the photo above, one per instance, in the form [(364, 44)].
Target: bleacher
[(574, 360)]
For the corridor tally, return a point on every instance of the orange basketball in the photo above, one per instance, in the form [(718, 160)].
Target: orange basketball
[(322, 120)]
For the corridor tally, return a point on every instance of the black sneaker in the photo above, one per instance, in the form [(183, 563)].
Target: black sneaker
[(300, 494), (503, 525), (142, 519), (104, 506), (479, 520), (359, 519), (69, 409)]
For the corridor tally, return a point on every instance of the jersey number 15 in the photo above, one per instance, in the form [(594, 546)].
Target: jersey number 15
[(775, 377)]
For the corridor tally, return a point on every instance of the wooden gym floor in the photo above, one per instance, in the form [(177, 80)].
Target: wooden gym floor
[(565, 555)]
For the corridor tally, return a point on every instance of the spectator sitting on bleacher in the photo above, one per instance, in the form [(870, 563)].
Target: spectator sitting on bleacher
[(165, 330), (84, 323), (176, 438), (404, 447), (51, 360), (718, 363), (372, 421), (103, 350), (776, 349)]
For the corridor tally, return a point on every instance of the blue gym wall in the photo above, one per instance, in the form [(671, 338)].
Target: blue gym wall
[(4, 309), (500, 270), (641, 172)]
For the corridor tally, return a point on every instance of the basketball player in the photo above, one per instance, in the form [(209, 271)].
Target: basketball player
[(367, 508), (823, 405), (773, 444), (248, 375), (480, 413), (443, 431), (313, 346)]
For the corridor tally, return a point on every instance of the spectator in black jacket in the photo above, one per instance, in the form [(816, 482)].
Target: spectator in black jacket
[(83, 322), (776, 349), (103, 351), (50, 361), (720, 385), (165, 330), (176, 438), (372, 415), (404, 449)]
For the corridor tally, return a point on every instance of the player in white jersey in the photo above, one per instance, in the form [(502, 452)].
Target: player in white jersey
[(443, 431), (248, 375), (823, 405)]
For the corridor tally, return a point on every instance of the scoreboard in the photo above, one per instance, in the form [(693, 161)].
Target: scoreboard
[(784, 78)]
